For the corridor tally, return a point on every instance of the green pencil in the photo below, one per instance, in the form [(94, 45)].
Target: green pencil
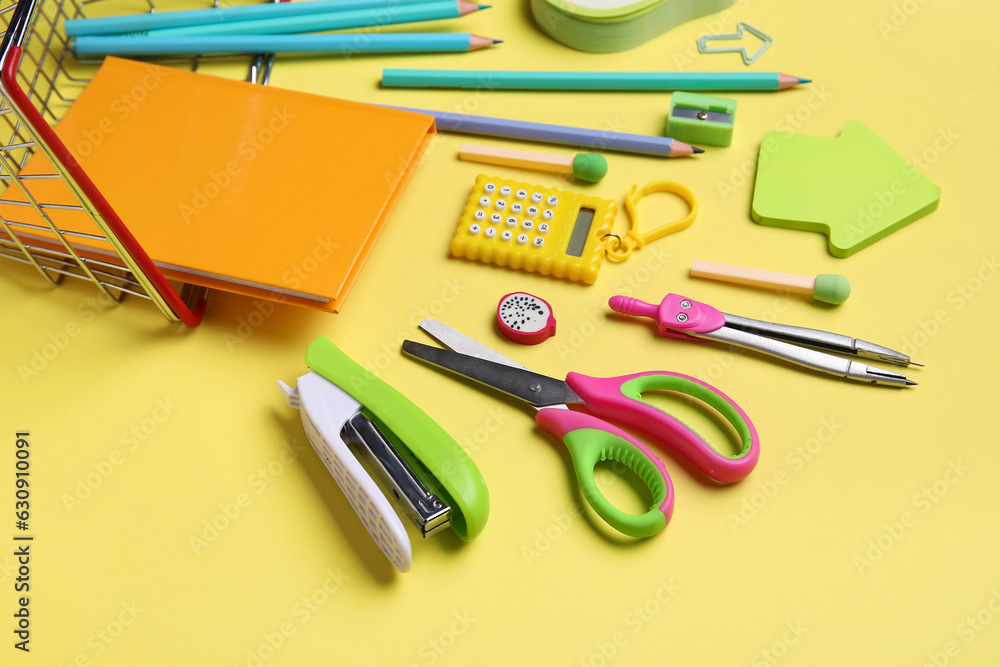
[(618, 81)]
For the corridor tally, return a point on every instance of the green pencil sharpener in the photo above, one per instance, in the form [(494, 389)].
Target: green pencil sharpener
[(701, 119)]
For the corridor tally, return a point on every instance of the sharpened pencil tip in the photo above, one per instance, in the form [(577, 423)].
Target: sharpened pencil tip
[(697, 150), (910, 383), (801, 80), (498, 41)]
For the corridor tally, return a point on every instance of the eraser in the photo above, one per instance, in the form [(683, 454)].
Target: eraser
[(831, 288), (590, 167)]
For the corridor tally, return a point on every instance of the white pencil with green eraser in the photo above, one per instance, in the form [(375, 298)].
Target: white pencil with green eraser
[(589, 167), (826, 287)]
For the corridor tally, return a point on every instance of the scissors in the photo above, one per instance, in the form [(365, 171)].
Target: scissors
[(588, 437)]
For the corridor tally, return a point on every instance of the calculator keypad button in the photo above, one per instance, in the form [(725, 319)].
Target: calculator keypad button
[(501, 204), (485, 201), (511, 221), (495, 218), (521, 195), (479, 215), (543, 227), (527, 225), (506, 235), (548, 214), (490, 233), (474, 228), (516, 207), (532, 211), (552, 200), (490, 188), (538, 242), (522, 239), (504, 190), (536, 197)]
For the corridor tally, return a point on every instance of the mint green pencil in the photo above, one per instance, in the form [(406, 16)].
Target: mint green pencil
[(135, 23), (362, 18), (349, 44), (507, 80)]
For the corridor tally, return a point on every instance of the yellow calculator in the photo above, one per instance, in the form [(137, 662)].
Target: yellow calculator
[(524, 226)]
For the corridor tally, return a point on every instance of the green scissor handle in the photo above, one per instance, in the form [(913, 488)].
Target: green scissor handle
[(589, 441)]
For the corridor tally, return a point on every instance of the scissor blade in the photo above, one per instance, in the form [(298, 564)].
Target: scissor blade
[(458, 341), (532, 388)]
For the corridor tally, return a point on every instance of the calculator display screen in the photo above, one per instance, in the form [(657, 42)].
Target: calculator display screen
[(581, 229)]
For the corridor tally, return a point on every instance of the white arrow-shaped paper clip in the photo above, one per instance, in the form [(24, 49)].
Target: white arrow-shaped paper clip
[(741, 28)]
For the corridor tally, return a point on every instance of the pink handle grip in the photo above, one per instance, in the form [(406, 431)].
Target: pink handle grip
[(620, 399)]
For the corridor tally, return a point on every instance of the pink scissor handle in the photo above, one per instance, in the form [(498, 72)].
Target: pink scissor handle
[(620, 399), (589, 441)]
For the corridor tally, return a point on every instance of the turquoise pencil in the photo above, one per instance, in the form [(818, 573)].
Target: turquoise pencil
[(319, 44), (116, 25), (362, 18), (597, 81)]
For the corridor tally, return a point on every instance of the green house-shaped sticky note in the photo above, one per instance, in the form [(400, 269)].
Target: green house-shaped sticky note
[(854, 188)]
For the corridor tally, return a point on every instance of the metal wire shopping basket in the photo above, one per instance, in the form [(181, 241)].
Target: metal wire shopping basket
[(39, 79)]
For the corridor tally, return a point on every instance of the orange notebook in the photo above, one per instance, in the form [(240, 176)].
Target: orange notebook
[(251, 189)]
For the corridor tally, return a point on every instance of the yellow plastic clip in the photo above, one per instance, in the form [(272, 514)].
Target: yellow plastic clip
[(618, 249)]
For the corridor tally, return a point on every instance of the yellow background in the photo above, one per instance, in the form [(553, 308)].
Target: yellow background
[(837, 559)]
